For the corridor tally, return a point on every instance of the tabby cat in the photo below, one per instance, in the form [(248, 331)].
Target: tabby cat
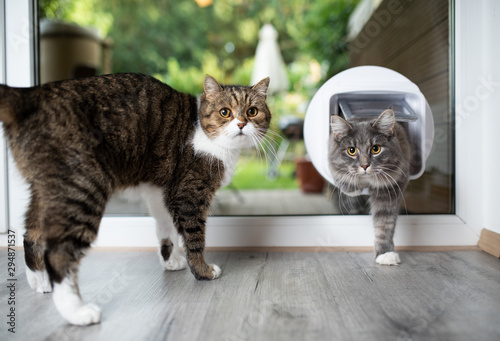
[(373, 155), (78, 141)]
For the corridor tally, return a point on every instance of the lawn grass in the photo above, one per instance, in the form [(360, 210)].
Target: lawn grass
[(251, 173)]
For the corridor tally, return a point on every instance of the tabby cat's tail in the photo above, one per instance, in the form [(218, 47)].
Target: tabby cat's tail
[(7, 113)]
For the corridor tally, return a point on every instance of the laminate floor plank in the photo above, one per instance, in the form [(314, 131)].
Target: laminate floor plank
[(234, 296), (274, 296), (292, 303)]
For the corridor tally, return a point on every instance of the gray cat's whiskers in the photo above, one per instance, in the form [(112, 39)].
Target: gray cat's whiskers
[(387, 187), (340, 183), (378, 182), (399, 188), (347, 178), (397, 170)]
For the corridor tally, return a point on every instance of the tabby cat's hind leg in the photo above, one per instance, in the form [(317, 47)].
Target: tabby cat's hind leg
[(168, 238), (170, 257), (37, 276), (62, 258), (70, 226)]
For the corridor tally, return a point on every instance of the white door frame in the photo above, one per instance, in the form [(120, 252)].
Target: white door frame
[(462, 228), (4, 202), (19, 52)]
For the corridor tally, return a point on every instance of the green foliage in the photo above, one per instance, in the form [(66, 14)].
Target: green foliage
[(251, 173), (147, 33), (190, 79), (88, 13), (324, 31)]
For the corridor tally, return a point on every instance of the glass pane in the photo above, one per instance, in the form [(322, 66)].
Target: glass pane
[(315, 41), (413, 39)]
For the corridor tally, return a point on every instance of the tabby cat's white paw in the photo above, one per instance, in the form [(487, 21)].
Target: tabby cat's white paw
[(216, 271), (174, 263), (69, 304), (38, 281), (84, 315), (388, 258)]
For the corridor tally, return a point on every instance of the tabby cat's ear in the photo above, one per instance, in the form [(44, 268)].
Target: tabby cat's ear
[(385, 122), (340, 127), (261, 87), (211, 86)]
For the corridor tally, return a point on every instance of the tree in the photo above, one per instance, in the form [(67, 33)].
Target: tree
[(148, 33), (323, 33)]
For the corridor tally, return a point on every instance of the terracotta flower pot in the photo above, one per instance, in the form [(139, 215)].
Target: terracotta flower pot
[(310, 180)]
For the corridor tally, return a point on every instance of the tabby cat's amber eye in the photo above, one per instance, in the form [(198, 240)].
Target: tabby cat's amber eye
[(376, 149), (252, 112), (352, 151), (225, 112)]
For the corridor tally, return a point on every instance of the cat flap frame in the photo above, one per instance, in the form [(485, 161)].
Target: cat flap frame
[(361, 93)]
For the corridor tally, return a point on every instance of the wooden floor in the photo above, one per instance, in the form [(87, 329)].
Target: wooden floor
[(272, 296)]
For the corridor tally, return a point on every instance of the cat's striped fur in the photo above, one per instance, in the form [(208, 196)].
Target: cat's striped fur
[(78, 141), (373, 155)]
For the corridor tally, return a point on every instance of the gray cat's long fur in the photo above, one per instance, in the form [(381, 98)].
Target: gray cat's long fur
[(385, 173)]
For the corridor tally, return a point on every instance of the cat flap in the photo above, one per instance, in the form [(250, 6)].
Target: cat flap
[(359, 108), (363, 93)]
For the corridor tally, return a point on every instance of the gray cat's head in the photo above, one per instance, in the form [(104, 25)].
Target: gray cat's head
[(234, 116), (368, 154)]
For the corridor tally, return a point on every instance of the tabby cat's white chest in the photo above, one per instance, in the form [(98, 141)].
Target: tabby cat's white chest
[(202, 144)]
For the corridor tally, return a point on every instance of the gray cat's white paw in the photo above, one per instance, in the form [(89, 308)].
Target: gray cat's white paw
[(38, 281), (216, 271), (388, 258), (355, 193), (174, 263)]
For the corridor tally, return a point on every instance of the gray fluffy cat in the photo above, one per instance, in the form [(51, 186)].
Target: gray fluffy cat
[(373, 155)]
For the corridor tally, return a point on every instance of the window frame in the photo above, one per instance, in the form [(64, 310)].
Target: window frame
[(461, 228), (4, 202)]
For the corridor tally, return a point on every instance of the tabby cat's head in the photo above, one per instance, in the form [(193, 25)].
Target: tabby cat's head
[(369, 154), (234, 116)]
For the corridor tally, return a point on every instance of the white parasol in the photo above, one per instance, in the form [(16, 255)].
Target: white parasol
[(269, 62)]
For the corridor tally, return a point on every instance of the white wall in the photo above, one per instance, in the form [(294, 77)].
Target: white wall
[(478, 112), (490, 114)]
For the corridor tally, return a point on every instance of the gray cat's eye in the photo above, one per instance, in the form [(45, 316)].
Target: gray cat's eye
[(352, 151)]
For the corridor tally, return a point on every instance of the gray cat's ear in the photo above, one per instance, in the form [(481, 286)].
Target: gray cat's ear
[(211, 86), (261, 87), (340, 127), (385, 122)]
